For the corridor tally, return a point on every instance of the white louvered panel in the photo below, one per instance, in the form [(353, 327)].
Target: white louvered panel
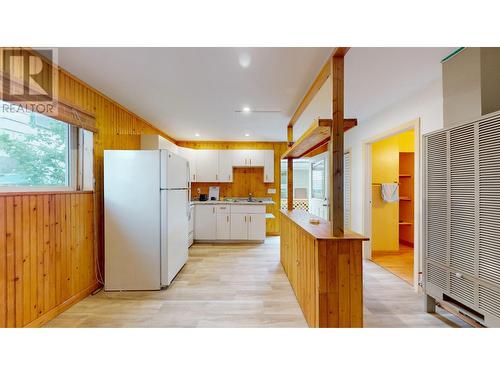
[(489, 300), (347, 190), (489, 201), (437, 205), (437, 276), (461, 288), (462, 185)]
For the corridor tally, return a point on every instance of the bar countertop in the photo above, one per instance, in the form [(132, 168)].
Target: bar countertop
[(321, 231)]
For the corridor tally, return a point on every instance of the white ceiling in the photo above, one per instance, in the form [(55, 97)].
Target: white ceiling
[(185, 91)]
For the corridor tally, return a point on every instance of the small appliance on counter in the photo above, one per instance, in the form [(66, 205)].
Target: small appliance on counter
[(203, 197), (213, 193)]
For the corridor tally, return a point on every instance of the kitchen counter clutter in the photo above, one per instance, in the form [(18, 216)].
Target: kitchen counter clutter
[(223, 221)]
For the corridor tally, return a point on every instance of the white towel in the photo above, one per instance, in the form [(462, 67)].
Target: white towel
[(389, 192)]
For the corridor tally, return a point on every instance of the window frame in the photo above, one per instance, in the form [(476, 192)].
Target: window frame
[(75, 166), (321, 159)]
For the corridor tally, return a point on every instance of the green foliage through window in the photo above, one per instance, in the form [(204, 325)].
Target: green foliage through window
[(34, 150)]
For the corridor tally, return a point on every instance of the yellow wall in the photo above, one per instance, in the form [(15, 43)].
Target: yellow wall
[(385, 168)]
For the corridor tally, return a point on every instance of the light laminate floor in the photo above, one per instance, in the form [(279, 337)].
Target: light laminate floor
[(243, 286)]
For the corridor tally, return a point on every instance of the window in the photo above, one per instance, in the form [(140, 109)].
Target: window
[(38, 152), (318, 179)]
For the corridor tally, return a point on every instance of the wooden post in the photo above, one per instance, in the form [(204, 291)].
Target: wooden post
[(290, 172), (336, 170)]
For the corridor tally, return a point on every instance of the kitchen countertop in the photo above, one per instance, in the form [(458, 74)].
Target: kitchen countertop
[(264, 202)]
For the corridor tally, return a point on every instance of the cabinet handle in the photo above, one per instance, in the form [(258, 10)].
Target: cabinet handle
[(213, 210), (250, 218), (245, 161), (216, 176), (266, 176), (194, 177), (250, 161), (227, 217), (229, 177), (245, 219)]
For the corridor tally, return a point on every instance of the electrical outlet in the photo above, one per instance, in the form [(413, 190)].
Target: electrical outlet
[(271, 191)]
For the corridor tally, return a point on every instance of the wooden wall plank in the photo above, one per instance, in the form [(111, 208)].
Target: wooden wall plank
[(3, 265), (10, 260), (34, 253), (18, 255)]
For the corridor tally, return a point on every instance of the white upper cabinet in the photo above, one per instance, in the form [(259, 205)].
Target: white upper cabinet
[(225, 166), (207, 166), (217, 165), (157, 142), (256, 158), (268, 165), (249, 158), (240, 158)]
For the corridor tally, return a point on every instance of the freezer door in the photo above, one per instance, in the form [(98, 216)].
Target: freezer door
[(132, 220), (175, 229), (177, 172)]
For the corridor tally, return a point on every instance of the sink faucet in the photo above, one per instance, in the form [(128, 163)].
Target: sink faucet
[(250, 198)]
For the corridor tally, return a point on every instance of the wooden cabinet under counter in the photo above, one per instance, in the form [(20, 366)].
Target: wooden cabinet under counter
[(326, 272)]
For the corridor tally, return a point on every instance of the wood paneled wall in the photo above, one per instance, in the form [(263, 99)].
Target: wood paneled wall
[(118, 128), (247, 180), (46, 255)]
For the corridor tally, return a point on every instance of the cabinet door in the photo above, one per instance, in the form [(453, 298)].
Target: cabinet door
[(225, 173), (239, 227), (205, 223), (240, 158), (268, 165), (207, 165), (256, 158), (256, 227), (223, 226)]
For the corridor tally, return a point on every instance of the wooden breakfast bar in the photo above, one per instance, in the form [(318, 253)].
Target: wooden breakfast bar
[(325, 271)]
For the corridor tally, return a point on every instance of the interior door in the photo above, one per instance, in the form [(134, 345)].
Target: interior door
[(318, 202), (239, 227)]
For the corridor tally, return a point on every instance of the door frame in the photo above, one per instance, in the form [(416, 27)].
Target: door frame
[(367, 193), (323, 156)]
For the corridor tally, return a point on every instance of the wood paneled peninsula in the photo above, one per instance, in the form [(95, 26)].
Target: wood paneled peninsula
[(325, 271)]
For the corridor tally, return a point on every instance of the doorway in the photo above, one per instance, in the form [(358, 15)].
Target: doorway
[(391, 202)]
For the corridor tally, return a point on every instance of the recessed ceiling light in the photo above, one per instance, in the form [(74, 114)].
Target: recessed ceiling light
[(246, 109), (245, 60), (196, 134), (247, 135)]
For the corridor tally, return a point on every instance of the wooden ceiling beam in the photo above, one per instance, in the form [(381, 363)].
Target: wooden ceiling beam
[(321, 78)]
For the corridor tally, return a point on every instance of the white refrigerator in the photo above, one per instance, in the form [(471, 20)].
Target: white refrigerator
[(146, 209)]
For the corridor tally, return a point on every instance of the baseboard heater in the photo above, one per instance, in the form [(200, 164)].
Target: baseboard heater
[(464, 310)]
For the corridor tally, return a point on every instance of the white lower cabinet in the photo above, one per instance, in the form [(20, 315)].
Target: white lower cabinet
[(239, 226), (223, 226), (230, 222), (205, 222), (256, 226)]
